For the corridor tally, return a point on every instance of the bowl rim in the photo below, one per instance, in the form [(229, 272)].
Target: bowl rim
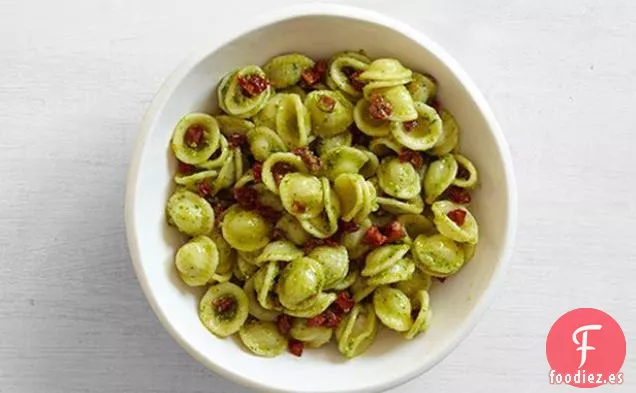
[(279, 15)]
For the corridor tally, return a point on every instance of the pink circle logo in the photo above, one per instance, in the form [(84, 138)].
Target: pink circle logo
[(586, 348)]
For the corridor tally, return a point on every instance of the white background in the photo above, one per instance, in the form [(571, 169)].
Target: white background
[(77, 75)]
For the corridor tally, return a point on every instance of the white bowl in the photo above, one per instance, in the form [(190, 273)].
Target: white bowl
[(319, 31)]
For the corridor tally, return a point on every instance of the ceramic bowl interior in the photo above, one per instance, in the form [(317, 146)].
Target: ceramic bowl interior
[(318, 31)]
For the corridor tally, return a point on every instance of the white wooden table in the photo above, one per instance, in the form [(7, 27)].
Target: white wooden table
[(76, 77)]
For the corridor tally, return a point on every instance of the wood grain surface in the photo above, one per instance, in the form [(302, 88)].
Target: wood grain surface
[(76, 77)]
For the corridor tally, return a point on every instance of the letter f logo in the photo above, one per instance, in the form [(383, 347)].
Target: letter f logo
[(583, 344)]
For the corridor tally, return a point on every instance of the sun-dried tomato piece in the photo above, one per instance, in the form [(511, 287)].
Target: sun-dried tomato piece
[(332, 319), (194, 135), (295, 347), (237, 140), (458, 195), (394, 231), (313, 243), (268, 213), (218, 209), (355, 81), (358, 137), (318, 320), (312, 162), (326, 104), (374, 237), (252, 85), (314, 75), (278, 234), (204, 189), (458, 216), (284, 323), (298, 207), (185, 169), (224, 304), (348, 226), (321, 67), (415, 158), (246, 197), (280, 169), (257, 171), (379, 107), (410, 125), (344, 301)]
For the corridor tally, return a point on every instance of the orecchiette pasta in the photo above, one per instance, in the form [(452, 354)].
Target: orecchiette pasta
[(331, 113), (197, 260), (334, 261), (423, 132), (450, 135), (356, 332), (223, 309), (190, 213), (300, 282), (312, 336), (422, 88), (465, 231), (245, 230), (398, 179), (440, 174), (320, 200), (343, 159), (262, 338), (264, 142), (437, 255), (292, 121), (230, 125), (286, 70), (393, 308), (254, 307), (275, 161), (301, 195), (195, 138), (244, 92)]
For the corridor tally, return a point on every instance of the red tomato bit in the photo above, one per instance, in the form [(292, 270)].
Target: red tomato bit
[(410, 125), (415, 158), (284, 323), (257, 171), (326, 104), (394, 231), (268, 212), (185, 169), (379, 108), (312, 162), (237, 140), (298, 207), (295, 347), (252, 85), (313, 76), (204, 189), (278, 234), (344, 301), (194, 135), (458, 216), (224, 304), (374, 237), (318, 320), (332, 319), (458, 195), (246, 197), (280, 169)]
